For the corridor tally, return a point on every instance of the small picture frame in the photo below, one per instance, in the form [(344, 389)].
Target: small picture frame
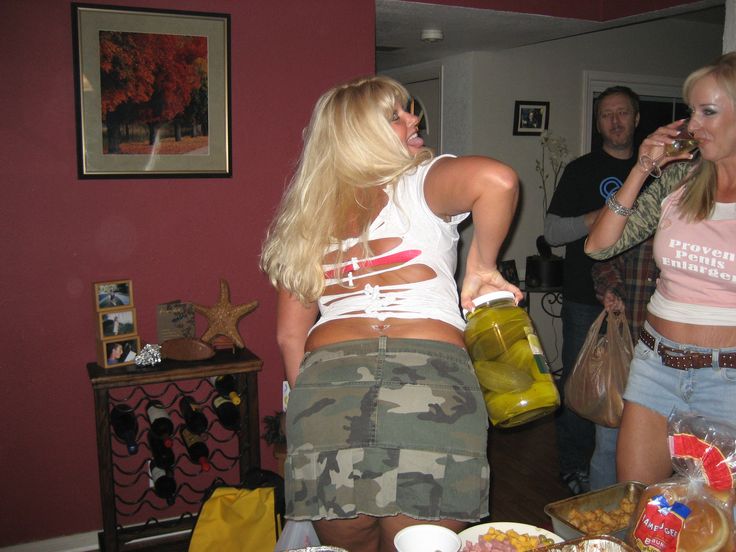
[(175, 320), (531, 118), (113, 295), (118, 352), (116, 323), (508, 271)]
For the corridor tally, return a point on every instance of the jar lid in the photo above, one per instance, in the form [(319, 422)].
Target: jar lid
[(493, 296)]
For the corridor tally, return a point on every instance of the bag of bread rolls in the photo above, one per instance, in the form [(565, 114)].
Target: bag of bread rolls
[(694, 510), (685, 516)]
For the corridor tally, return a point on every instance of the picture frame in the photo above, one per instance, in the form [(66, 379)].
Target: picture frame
[(116, 324), (531, 118), (508, 271), (157, 116), (113, 295), (113, 353), (175, 320)]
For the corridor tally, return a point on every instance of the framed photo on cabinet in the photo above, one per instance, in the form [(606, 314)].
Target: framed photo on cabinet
[(118, 352), (508, 271), (152, 92), (113, 295), (116, 324)]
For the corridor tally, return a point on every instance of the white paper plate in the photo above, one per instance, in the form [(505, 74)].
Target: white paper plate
[(473, 533)]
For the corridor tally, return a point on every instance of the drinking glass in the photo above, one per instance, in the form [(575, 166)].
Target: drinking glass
[(684, 142)]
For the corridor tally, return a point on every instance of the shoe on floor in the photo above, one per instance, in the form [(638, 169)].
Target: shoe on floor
[(577, 482)]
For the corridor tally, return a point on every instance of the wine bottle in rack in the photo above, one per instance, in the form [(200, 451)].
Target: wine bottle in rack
[(161, 425), (194, 418), (227, 386), (227, 413), (125, 425), (196, 449), (162, 455), (162, 481)]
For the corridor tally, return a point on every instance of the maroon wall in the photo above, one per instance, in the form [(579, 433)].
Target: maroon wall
[(174, 238)]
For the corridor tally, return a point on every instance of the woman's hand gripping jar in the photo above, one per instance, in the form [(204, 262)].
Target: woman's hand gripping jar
[(509, 361)]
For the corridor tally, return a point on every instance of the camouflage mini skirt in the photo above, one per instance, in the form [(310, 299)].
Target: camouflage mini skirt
[(387, 426)]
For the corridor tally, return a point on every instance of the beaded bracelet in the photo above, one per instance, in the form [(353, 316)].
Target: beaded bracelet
[(619, 209)]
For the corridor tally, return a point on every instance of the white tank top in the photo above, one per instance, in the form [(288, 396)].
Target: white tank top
[(426, 239)]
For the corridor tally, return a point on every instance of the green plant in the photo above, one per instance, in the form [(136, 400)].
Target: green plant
[(274, 434)]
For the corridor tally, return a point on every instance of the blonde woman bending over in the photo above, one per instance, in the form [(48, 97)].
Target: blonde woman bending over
[(386, 423)]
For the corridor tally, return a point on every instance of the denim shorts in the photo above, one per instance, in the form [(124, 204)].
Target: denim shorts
[(387, 426), (708, 392)]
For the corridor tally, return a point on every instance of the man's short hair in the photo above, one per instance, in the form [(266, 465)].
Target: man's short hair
[(611, 90)]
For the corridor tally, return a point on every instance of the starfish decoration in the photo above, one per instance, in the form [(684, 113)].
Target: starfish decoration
[(223, 317)]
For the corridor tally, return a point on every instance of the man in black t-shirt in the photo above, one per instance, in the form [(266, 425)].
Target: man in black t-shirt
[(584, 187)]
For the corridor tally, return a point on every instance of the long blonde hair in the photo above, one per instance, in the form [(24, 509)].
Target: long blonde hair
[(699, 197), (349, 150)]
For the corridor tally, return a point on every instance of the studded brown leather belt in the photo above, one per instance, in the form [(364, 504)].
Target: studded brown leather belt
[(683, 359)]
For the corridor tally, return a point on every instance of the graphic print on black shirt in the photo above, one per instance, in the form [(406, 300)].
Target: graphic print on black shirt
[(584, 186)]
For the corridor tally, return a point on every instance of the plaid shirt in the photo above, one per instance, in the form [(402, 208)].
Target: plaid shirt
[(632, 276)]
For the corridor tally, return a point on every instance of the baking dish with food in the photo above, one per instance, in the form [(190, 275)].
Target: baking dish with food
[(601, 543), (565, 514)]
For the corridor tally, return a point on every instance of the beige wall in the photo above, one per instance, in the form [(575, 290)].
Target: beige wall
[(554, 72)]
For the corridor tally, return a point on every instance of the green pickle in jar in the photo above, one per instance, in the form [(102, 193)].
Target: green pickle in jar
[(509, 361)]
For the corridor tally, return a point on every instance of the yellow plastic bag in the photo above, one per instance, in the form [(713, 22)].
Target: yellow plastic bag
[(595, 388), (233, 519)]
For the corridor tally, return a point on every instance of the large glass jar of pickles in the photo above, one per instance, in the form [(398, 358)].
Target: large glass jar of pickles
[(509, 361)]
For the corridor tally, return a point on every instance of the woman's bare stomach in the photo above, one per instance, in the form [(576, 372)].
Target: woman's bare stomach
[(348, 329), (716, 337)]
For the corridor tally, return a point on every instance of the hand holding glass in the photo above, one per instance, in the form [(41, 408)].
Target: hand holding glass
[(684, 142)]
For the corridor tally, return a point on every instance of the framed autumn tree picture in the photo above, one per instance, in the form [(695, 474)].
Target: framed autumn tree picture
[(152, 92)]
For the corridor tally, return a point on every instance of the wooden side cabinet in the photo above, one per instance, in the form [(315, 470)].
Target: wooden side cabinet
[(133, 516)]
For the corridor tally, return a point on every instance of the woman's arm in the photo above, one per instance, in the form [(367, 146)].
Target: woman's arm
[(293, 320), (609, 226), (490, 190), (643, 223)]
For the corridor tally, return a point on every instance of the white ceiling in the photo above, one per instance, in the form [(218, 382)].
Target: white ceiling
[(399, 24)]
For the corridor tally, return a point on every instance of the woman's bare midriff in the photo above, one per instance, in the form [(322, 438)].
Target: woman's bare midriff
[(348, 329), (716, 337)]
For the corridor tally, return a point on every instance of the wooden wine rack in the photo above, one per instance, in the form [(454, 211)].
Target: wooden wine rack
[(133, 516)]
